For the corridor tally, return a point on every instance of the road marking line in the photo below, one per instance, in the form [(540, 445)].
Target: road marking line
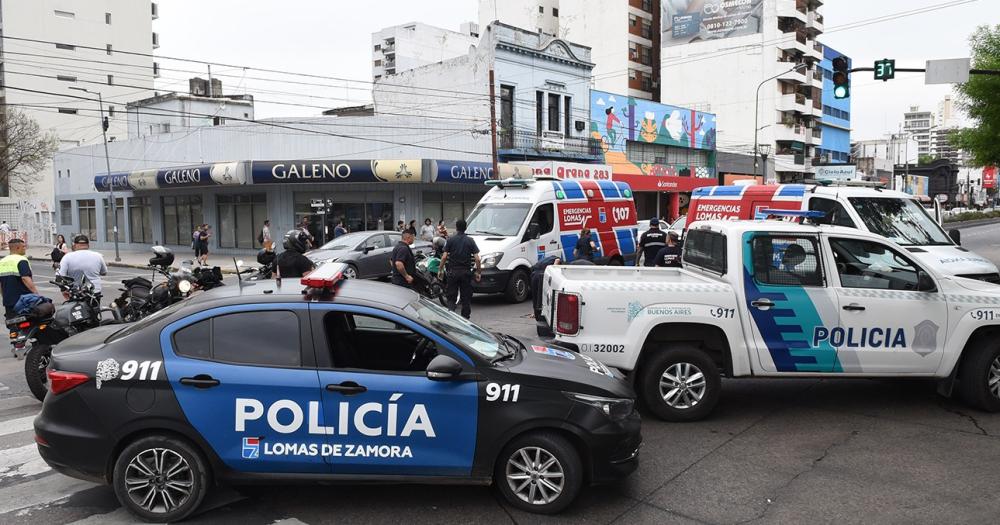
[(17, 402), (48, 489), (13, 426), (21, 461)]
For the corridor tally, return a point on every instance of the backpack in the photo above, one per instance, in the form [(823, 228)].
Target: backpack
[(56, 255)]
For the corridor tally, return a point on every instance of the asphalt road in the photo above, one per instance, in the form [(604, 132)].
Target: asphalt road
[(786, 451)]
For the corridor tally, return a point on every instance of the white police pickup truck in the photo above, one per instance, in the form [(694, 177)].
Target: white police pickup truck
[(777, 299)]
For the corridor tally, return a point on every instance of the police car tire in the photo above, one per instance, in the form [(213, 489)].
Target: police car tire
[(664, 359), (558, 447), (35, 370), (515, 293), (975, 374), (199, 476)]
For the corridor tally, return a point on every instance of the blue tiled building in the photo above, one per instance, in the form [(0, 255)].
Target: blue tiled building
[(836, 121)]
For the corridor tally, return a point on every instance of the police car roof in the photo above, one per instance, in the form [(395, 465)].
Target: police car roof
[(351, 291)]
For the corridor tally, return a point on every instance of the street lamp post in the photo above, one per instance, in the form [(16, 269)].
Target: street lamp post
[(756, 111), (765, 150), (107, 162)]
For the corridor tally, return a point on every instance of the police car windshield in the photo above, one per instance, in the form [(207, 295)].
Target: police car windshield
[(904, 221), (498, 219), (457, 327)]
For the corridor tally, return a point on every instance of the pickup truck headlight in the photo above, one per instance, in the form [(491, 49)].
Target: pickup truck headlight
[(615, 408), (491, 260)]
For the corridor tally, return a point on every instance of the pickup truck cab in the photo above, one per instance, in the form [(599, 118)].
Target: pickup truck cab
[(779, 299)]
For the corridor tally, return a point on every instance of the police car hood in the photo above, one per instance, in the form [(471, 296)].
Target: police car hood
[(86, 341), (954, 260), (554, 367), (980, 287)]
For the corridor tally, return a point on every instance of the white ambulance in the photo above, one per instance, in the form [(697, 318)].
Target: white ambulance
[(518, 222)]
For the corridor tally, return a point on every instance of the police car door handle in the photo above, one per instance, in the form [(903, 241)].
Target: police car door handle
[(854, 307), (762, 304), (552, 242), (348, 388), (200, 381)]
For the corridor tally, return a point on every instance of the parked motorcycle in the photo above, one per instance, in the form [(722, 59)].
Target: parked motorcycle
[(425, 280), (36, 333), (267, 261), (142, 296)]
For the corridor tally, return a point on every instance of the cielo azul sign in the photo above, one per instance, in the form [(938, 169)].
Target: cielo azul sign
[(842, 172)]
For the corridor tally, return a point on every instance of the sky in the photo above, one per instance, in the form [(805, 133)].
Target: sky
[(333, 38)]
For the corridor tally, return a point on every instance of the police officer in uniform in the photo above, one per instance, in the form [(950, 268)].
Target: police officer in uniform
[(292, 262), (403, 263), (670, 255), (15, 276), (651, 241), (459, 253)]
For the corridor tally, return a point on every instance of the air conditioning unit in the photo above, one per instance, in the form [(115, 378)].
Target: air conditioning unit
[(579, 125)]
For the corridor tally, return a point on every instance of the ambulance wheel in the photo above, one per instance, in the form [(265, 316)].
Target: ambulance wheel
[(680, 383), (539, 472), (517, 287), (979, 377), (160, 478)]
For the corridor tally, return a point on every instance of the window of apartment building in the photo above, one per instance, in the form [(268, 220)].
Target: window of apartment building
[(107, 18), (553, 112), (378, 47), (111, 80), (67, 47), (111, 111), (181, 214), (139, 219), (109, 220), (107, 48), (67, 111), (541, 10), (156, 69), (633, 21), (506, 108), (87, 213), (555, 11), (66, 78), (539, 107), (65, 213), (65, 14), (567, 111), (240, 218), (647, 28), (645, 153), (378, 63)]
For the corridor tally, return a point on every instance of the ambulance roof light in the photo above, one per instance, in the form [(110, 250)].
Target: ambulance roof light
[(510, 182), (327, 277), (801, 214)]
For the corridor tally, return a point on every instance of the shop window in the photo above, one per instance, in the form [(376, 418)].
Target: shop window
[(448, 206), (87, 213), (65, 213), (140, 226), (181, 215), (240, 218), (109, 219), (357, 216)]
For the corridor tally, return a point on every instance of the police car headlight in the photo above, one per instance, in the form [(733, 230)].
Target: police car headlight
[(491, 260), (615, 408), (184, 286)]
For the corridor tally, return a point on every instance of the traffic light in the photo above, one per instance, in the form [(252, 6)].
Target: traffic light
[(841, 78), (885, 69), (104, 123)]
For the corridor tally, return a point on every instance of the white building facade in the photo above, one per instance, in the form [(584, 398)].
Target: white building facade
[(180, 112), (70, 40), (728, 55), (920, 124), (401, 48)]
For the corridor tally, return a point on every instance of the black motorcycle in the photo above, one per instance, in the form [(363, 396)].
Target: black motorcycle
[(267, 261), (425, 280), (36, 333), (141, 297)]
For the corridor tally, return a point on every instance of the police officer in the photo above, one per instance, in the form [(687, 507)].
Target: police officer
[(15, 276), (292, 262), (537, 274), (651, 241), (403, 263), (459, 253), (670, 255)]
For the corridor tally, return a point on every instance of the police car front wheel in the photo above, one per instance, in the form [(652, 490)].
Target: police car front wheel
[(539, 472), (160, 478)]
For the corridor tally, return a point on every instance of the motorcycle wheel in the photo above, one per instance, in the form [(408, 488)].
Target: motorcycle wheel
[(436, 291), (36, 361)]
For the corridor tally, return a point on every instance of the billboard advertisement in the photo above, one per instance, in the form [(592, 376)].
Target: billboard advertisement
[(916, 185), (990, 177), (839, 172), (313, 171), (687, 21)]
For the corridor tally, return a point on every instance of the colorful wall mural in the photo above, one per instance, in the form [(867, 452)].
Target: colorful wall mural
[(617, 119)]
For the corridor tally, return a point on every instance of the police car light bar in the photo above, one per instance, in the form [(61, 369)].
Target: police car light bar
[(523, 183), (804, 214), (326, 277)]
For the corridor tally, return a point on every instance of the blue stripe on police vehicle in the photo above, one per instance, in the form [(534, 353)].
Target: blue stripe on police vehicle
[(278, 419)]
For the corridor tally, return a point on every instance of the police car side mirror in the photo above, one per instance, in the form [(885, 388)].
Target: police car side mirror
[(956, 235), (924, 282), (443, 368)]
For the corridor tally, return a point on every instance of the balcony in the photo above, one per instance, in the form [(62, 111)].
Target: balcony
[(520, 143), (792, 102), (155, 10), (791, 9), (156, 41), (797, 42), (792, 132), (389, 48), (796, 76), (815, 20)]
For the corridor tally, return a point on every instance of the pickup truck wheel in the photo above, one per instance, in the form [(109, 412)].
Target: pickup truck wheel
[(680, 383), (979, 378)]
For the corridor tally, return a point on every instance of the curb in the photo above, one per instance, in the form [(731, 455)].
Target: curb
[(969, 224), (113, 264)]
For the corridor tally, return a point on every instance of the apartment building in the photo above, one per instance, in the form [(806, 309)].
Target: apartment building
[(407, 46)]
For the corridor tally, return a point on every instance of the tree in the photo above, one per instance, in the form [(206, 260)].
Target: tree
[(980, 99), (924, 160), (25, 151)]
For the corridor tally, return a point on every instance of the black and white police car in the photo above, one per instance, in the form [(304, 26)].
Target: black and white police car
[(328, 380)]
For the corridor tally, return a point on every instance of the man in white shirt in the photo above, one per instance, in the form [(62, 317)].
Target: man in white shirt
[(82, 262)]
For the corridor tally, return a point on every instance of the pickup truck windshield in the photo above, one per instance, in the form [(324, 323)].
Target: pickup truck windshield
[(458, 327), (904, 221), (497, 219)]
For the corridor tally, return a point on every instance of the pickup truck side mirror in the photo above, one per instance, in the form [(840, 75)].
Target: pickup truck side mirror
[(924, 282), (443, 368), (956, 235)]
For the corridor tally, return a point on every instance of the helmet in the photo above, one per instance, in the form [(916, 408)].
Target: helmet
[(162, 256), (265, 257), (295, 240)]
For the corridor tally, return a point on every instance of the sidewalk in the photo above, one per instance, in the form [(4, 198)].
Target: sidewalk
[(140, 259)]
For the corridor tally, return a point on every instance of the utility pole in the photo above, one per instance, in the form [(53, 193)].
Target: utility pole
[(493, 125), (107, 161)]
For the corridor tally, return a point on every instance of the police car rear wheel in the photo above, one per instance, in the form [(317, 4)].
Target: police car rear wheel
[(160, 478), (539, 472), (680, 383), (979, 380)]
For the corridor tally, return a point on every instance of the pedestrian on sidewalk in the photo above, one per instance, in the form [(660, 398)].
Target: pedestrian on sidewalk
[(58, 251), (265, 236), (412, 227), (427, 230), (459, 253), (400, 226), (15, 276), (339, 229), (83, 263), (201, 248)]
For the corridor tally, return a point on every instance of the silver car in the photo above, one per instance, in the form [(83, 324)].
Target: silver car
[(366, 253)]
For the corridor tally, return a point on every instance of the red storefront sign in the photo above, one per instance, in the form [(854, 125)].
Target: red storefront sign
[(664, 183), (990, 177)]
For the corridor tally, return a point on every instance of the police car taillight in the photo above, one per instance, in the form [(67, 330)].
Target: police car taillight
[(327, 277), (567, 313), (60, 382)]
